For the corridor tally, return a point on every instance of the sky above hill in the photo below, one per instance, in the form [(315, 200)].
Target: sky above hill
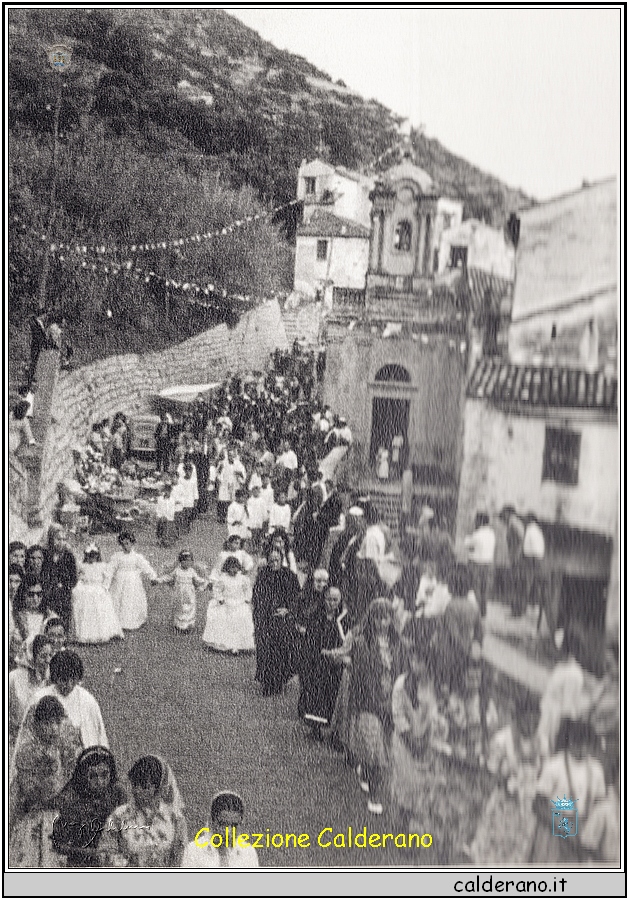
[(529, 95)]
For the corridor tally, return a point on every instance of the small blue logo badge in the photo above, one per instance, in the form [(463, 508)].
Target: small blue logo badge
[(565, 817), (60, 56)]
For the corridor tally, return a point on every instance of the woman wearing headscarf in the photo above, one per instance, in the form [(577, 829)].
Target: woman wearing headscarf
[(274, 595), (25, 681), (322, 678), (375, 666), (307, 615), (149, 831), (16, 578), (84, 806), (45, 755), (29, 608)]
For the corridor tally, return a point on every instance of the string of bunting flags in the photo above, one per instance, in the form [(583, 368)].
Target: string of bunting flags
[(208, 295), (103, 249)]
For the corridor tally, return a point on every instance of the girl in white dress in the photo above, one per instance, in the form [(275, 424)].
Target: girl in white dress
[(94, 618), (127, 567), (382, 463), (186, 582), (229, 625)]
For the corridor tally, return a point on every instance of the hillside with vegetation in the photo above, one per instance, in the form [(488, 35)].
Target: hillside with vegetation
[(174, 123)]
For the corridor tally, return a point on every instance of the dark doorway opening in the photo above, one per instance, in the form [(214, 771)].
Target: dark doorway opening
[(582, 611), (388, 418)]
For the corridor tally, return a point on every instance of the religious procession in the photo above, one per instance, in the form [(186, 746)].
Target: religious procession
[(338, 557)]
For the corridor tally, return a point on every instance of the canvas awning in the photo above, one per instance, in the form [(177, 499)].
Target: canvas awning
[(188, 393)]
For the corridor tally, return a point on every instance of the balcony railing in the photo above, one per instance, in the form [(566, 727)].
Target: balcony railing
[(410, 298), (348, 300), (388, 285)]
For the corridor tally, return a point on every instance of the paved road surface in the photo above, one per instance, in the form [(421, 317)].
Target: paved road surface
[(203, 712)]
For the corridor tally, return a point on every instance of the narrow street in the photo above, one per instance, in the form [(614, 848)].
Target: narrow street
[(203, 712)]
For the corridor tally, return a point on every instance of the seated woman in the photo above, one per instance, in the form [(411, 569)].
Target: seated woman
[(45, 755), (84, 806), (576, 771), (418, 731), (149, 831), (229, 624)]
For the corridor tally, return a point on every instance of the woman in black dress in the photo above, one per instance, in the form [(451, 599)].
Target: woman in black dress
[(59, 575), (275, 593), (321, 674)]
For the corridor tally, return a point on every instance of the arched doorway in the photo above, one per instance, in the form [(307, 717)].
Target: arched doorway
[(389, 416)]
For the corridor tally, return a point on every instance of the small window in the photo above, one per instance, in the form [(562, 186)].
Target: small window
[(403, 235), (562, 449), (311, 185), (458, 257), (322, 249)]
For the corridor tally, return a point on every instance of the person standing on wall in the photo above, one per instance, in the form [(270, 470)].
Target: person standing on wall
[(481, 546)]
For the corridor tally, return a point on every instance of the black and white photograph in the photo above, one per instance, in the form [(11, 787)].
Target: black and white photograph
[(314, 371)]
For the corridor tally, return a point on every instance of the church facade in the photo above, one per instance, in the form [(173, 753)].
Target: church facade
[(397, 351)]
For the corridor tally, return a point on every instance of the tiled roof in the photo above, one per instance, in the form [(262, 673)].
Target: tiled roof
[(566, 251), (502, 382), (480, 282), (326, 224)]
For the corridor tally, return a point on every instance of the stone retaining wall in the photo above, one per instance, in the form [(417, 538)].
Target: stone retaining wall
[(126, 383)]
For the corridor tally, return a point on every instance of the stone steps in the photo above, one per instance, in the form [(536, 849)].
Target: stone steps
[(302, 323), (389, 505)]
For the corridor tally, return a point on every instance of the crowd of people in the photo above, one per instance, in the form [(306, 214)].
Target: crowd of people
[(387, 650)]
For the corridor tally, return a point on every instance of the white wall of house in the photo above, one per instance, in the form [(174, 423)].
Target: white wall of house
[(350, 193), (449, 216), (531, 341), (502, 464), (487, 248), (345, 264), (352, 199)]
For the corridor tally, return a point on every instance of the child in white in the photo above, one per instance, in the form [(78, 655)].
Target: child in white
[(257, 515), (127, 568), (233, 546), (267, 493), (186, 582), (229, 624), (237, 516), (188, 493), (279, 517), (93, 614), (166, 516)]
